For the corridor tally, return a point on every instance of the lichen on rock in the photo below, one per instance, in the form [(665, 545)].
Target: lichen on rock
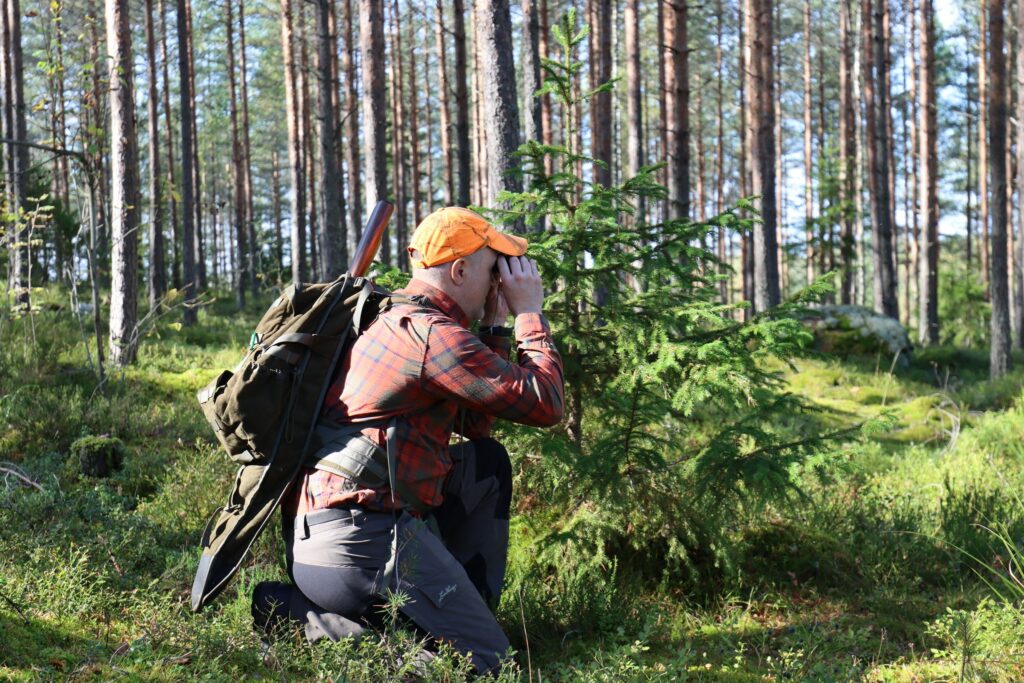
[(846, 330)]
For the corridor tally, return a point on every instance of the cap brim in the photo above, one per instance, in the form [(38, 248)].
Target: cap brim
[(506, 244)]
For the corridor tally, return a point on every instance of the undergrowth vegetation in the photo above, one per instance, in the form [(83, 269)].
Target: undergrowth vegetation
[(892, 566)]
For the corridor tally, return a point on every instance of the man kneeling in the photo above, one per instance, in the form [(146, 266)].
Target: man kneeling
[(434, 523)]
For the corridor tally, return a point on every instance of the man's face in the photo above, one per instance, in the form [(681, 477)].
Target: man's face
[(481, 276)]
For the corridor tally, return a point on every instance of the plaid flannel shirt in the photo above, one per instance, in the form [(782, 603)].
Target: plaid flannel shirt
[(424, 364)]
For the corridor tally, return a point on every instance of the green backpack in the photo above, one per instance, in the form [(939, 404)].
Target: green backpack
[(265, 410)]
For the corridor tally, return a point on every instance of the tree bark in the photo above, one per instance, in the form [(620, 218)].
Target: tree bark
[(928, 288), (677, 101), (1020, 174), (983, 149), (157, 277), (399, 176), (197, 204), (351, 119), (414, 141), (275, 209), (309, 164), (847, 151), (293, 111), (188, 228), (444, 86), (371, 41), (997, 116), (601, 103), (333, 245), (237, 213), (500, 106), (634, 100), (461, 104), (860, 274), (17, 156), (124, 201), (808, 151), (169, 131), (546, 123), (724, 290), (761, 87), (250, 217), (877, 101), (531, 71)]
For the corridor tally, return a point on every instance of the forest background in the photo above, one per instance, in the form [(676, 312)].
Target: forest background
[(729, 498)]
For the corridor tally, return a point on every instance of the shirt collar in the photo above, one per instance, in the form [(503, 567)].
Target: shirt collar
[(442, 301)]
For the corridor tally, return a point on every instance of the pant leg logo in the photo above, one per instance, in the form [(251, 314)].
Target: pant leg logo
[(448, 590)]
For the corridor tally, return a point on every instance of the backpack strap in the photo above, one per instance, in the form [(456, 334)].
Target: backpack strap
[(347, 453)]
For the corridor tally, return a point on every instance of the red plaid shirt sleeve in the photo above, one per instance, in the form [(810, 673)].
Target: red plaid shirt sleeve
[(460, 366)]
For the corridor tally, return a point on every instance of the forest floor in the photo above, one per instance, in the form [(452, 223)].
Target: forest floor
[(893, 568)]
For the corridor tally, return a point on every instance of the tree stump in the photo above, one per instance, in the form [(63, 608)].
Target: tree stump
[(98, 456)]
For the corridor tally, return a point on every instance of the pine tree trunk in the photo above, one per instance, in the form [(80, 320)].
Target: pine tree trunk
[(188, 198), (157, 281), (371, 42), (998, 114), (860, 267), (601, 104), (398, 127), (309, 164), (124, 201), (351, 118), (176, 238), (293, 111), (1020, 174), (414, 142), (928, 288), (914, 236), (761, 87), (250, 218), (443, 88), (237, 214), (500, 105), (724, 290), (808, 151), (461, 104), (634, 100), (969, 189), (275, 209), (847, 151), (17, 156), (546, 124), (743, 52), (877, 101), (333, 250), (677, 101), (98, 141), (197, 204), (983, 149), (780, 181), (531, 71)]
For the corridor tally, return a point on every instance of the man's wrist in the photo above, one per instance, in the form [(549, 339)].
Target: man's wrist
[(495, 331)]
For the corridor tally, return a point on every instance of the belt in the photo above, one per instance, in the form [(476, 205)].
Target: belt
[(303, 522)]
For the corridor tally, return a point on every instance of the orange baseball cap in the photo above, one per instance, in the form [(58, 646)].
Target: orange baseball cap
[(454, 232)]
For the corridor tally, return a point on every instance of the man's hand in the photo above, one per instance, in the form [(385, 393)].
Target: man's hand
[(496, 310), (520, 284)]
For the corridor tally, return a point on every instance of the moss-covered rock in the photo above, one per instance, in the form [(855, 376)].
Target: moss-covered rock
[(96, 456), (855, 330)]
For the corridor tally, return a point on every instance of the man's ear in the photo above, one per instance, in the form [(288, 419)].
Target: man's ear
[(457, 271)]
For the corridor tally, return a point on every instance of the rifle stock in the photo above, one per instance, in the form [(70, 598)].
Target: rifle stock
[(370, 241)]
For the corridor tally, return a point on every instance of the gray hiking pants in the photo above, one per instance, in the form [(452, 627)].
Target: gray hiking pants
[(337, 560)]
